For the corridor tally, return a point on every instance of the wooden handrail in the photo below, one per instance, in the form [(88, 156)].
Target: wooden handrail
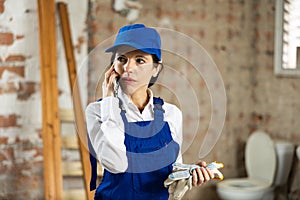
[(49, 92), (77, 106)]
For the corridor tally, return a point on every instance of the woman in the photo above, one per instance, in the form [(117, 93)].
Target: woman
[(134, 135)]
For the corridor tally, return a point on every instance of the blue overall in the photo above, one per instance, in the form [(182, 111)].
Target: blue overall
[(150, 151)]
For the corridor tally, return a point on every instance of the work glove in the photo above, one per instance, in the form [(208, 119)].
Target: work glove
[(180, 180)]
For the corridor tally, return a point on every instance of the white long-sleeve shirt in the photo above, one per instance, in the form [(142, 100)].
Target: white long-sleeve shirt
[(106, 128)]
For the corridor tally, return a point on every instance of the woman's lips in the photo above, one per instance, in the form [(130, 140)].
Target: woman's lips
[(128, 80)]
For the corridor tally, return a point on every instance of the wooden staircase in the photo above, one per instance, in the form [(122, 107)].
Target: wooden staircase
[(73, 185)]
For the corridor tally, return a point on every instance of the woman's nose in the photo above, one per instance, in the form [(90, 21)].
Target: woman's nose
[(129, 65)]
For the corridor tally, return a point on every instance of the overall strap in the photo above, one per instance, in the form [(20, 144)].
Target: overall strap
[(123, 116), (158, 101), (158, 109), (93, 161)]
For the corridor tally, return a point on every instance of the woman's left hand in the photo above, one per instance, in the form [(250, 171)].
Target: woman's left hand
[(201, 175)]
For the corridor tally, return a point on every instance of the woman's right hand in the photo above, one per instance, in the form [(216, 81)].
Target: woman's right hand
[(109, 80)]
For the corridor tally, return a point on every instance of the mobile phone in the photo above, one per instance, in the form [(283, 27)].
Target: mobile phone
[(116, 86)]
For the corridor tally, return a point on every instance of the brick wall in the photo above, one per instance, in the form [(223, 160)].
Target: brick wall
[(239, 36), (20, 112), (21, 151)]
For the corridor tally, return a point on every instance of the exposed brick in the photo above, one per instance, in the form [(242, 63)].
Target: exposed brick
[(26, 89), (202, 16), (2, 6), (6, 38), (230, 18), (80, 41), (7, 153), (3, 140), (18, 37), (16, 57), (18, 70), (8, 88), (8, 121)]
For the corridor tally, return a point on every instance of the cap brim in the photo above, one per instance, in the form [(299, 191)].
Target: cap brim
[(115, 47), (134, 46)]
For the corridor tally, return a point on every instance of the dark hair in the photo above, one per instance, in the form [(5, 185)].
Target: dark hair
[(155, 63)]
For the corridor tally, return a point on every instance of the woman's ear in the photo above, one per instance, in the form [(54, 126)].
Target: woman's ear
[(158, 69)]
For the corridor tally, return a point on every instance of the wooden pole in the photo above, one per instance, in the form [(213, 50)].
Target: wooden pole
[(79, 115), (49, 92)]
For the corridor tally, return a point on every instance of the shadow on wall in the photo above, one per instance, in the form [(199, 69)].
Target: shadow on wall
[(293, 185), (240, 159)]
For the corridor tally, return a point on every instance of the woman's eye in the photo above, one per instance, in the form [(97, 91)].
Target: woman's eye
[(122, 59), (140, 61)]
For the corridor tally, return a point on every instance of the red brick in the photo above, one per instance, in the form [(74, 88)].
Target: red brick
[(6, 154), (8, 88), (18, 70), (268, 35), (6, 38), (8, 121), (18, 37), (26, 89), (80, 41), (202, 16), (13, 58), (230, 18), (2, 6), (3, 140)]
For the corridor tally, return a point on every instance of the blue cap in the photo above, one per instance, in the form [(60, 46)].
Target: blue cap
[(139, 37)]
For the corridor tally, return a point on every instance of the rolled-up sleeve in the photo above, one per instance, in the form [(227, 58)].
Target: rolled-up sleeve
[(106, 132)]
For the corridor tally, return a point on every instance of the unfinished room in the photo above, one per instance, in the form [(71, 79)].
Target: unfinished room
[(150, 100)]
